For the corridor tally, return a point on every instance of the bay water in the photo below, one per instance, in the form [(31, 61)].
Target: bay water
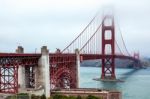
[(135, 85)]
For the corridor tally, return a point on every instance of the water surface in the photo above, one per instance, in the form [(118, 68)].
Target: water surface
[(136, 83)]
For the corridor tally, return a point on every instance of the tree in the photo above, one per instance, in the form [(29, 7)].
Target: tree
[(43, 96)]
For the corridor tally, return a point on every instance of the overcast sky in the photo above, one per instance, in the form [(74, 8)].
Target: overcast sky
[(55, 23)]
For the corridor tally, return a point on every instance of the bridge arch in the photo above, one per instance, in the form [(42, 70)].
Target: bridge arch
[(63, 78)]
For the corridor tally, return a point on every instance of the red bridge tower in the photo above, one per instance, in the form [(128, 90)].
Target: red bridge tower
[(108, 48)]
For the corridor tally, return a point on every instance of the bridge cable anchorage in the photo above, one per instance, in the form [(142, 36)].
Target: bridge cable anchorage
[(123, 39), (81, 33), (91, 37)]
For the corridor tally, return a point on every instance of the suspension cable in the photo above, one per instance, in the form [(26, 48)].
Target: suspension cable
[(123, 39), (118, 47), (91, 36), (81, 32)]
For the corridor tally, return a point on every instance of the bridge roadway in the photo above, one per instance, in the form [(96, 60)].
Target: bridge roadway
[(82, 56), (100, 56)]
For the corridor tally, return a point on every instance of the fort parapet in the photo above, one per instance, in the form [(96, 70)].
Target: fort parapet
[(105, 94)]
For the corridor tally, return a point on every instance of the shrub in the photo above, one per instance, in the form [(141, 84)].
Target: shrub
[(91, 97), (22, 96), (35, 97), (60, 97), (79, 97), (71, 97), (11, 97), (43, 96)]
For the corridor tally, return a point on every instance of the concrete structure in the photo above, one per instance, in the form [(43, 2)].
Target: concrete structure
[(45, 70), (20, 50), (41, 75), (21, 71), (105, 94), (36, 77), (78, 67)]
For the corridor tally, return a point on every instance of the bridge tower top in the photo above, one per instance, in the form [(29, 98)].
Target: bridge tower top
[(136, 55)]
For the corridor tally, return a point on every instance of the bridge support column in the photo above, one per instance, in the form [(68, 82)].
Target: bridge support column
[(43, 72), (21, 71), (77, 67), (108, 48)]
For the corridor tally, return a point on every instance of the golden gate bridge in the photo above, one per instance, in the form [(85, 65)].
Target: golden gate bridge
[(19, 71)]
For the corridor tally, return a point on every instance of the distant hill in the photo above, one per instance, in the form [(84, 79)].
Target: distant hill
[(97, 63), (145, 62)]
